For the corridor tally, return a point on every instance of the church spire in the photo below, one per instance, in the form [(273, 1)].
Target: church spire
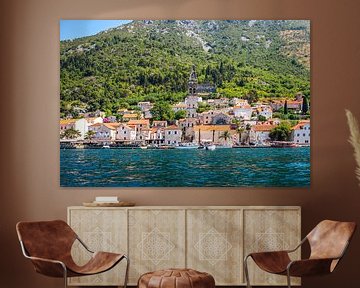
[(192, 84)]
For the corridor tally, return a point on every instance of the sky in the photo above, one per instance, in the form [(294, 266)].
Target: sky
[(71, 29)]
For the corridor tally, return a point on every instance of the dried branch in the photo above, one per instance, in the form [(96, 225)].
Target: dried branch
[(354, 139)]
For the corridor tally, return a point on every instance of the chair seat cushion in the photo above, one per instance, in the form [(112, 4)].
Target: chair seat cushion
[(176, 278)]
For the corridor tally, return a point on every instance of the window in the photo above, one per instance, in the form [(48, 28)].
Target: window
[(306, 141), (169, 141), (304, 134), (124, 132), (169, 132), (124, 138), (298, 134), (175, 132)]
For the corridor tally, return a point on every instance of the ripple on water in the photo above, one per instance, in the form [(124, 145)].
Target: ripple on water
[(185, 168)]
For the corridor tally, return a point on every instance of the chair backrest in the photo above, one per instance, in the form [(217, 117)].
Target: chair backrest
[(329, 239), (46, 239)]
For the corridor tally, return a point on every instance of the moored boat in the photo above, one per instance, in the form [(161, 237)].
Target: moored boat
[(187, 146)]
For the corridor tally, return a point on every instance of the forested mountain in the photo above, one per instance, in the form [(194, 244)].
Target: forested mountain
[(151, 61)]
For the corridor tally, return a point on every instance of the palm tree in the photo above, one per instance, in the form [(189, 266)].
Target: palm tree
[(240, 128), (90, 135), (71, 133), (226, 136), (248, 128)]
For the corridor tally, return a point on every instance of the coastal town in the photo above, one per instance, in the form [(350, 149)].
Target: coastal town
[(207, 122)]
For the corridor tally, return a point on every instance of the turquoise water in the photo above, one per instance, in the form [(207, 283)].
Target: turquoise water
[(256, 167)]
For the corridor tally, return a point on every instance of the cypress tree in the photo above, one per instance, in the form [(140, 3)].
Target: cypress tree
[(305, 105), (285, 108)]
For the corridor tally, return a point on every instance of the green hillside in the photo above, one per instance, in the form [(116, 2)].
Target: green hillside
[(151, 60)]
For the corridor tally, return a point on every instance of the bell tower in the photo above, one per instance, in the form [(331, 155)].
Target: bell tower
[(192, 84)]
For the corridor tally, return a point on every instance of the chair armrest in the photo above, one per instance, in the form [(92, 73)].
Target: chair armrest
[(309, 267), (49, 267)]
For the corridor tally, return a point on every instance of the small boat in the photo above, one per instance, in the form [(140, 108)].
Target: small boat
[(143, 147), (283, 144), (187, 146), (210, 147), (106, 146), (224, 146)]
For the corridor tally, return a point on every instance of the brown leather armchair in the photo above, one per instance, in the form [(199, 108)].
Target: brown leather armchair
[(328, 242), (48, 245)]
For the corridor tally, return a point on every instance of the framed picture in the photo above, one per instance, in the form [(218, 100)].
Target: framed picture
[(185, 103)]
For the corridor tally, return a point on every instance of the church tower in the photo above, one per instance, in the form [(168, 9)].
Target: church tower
[(192, 84)]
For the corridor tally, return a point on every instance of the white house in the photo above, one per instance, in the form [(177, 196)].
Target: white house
[(157, 135), (301, 132), (179, 106), (80, 125), (159, 123), (259, 133), (265, 111), (144, 106), (139, 124), (206, 117), (125, 132), (104, 131), (243, 111), (172, 135), (192, 101)]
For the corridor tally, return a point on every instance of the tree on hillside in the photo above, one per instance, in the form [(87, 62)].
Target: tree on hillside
[(281, 132), (252, 96), (261, 118), (162, 111), (286, 107), (305, 105), (181, 114)]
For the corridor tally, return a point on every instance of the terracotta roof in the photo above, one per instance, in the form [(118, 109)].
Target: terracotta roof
[(112, 126), (301, 124), (212, 127), (67, 121), (172, 127), (130, 116), (262, 127), (247, 106), (138, 122)]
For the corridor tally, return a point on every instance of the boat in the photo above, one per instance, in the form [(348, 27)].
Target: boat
[(187, 146), (143, 147), (210, 147), (106, 146), (283, 144), (224, 146)]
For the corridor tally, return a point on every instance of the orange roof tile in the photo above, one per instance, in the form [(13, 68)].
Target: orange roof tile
[(67, 121), (138, 122), (172, 127), (301, 124), (212, 127), (130, 116), (262, 127)]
